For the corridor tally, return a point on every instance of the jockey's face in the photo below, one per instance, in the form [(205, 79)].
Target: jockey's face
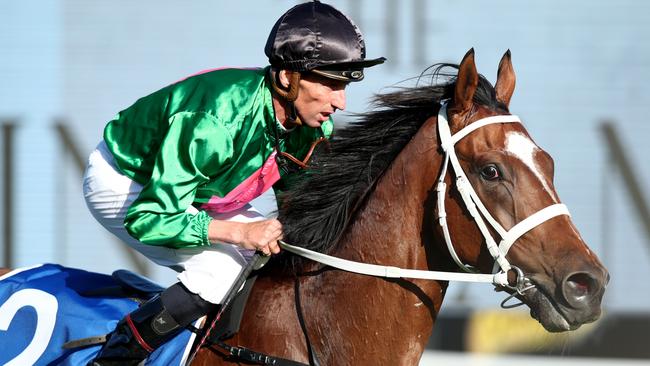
[(318, 97)]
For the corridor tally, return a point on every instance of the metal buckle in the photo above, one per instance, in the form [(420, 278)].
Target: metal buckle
[(522, 284)]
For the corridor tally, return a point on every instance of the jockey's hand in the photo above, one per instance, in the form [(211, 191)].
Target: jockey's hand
[(262, 236), (258, 235)]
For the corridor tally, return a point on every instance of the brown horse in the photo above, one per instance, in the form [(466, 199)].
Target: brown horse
[(372, 198)]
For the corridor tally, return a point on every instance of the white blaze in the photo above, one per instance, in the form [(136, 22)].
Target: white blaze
[(522, 147)]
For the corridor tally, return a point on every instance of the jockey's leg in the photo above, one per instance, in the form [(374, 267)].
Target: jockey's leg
[(151, 325), (206, 273)]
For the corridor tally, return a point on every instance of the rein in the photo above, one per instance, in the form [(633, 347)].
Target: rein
[(377, 270), (479, 213)]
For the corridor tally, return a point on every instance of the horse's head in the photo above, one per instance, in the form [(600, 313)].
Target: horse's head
[(561, 279)]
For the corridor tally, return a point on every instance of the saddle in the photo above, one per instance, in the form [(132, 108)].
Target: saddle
[(141, 289)]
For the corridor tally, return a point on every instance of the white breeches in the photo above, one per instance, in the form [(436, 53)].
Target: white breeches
[(206, 271)]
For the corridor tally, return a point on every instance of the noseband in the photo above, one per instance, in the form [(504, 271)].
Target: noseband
[(479, 213)]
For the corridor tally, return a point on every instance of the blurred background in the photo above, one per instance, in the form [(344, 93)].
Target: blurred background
[(583, 91)]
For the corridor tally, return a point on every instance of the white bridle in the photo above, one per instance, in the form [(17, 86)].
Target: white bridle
[(476, 208), (472, 201)]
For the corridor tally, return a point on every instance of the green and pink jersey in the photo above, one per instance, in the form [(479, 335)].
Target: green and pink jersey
[(207, 141)]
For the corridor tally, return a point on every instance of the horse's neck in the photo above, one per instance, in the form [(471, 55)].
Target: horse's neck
[(389, 231)]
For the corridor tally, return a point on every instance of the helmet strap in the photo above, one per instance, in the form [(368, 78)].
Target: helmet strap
[(289, 96), (292, 118)]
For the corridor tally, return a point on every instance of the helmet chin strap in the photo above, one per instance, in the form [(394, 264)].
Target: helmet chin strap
[(289, 96), (292, 118)]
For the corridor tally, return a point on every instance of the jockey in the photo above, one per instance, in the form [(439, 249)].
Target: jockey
[(175, 172)]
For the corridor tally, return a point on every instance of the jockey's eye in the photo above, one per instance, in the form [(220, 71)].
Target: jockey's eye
[(490, 172)]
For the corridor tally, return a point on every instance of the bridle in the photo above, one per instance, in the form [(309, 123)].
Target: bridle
[(477, 210)]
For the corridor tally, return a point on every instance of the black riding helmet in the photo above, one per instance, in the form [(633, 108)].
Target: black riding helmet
[(317, 37)]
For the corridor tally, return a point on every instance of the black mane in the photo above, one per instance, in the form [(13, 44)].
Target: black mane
[(318, 207)]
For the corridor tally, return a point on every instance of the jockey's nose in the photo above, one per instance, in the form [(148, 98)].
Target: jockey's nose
[(338, 99)]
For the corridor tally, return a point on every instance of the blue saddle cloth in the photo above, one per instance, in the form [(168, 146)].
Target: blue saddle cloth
[(43, 307)]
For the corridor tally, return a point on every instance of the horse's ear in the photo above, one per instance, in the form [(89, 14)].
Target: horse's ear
[(505, 85), (466, 84)]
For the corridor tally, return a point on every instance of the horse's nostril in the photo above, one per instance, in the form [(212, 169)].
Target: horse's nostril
[(579, 288), (579, 284)]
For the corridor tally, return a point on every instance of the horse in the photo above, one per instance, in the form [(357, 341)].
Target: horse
[(425, 181), (373, 197)]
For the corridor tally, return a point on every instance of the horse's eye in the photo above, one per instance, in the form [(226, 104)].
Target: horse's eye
[(490, 172)]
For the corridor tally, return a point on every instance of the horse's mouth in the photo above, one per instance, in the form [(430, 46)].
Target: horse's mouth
[(547, 311), (552, 313)]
